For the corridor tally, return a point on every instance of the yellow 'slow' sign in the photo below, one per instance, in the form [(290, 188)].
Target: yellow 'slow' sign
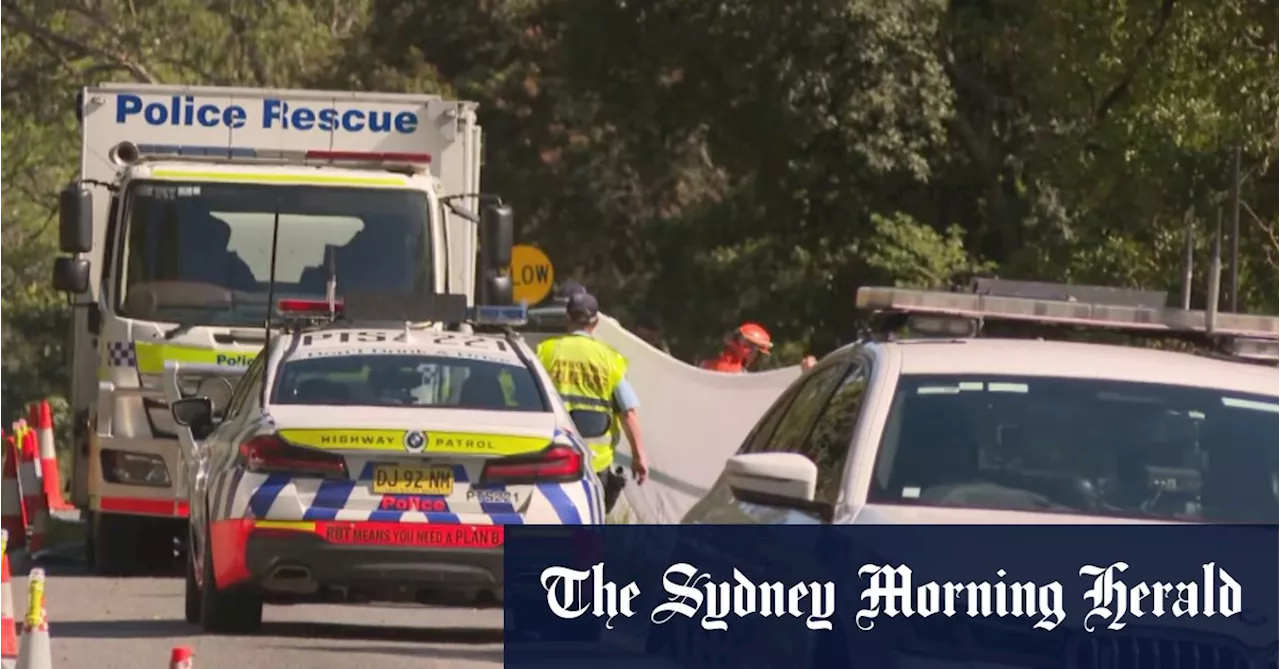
[(531, 274)]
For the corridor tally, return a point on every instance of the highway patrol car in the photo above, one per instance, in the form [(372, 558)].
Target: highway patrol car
[(373, 463), (1002, 405)]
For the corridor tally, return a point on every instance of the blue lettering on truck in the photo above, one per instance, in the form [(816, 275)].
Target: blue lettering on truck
[(184, 111)]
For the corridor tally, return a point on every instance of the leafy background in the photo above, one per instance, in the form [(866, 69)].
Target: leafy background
[(710, 162)]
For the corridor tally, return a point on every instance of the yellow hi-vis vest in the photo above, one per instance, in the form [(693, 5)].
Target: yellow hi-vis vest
[(585, 372)]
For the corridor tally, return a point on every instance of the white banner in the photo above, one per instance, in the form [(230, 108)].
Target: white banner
[(692, 421)]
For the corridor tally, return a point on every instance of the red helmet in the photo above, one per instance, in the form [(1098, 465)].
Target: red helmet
[(751, 336)]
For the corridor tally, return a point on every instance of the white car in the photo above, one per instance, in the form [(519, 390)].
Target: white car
[(374, 463), (964, 430), (961, 429)]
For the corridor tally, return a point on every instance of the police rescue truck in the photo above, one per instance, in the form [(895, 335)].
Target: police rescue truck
[(184, 196)]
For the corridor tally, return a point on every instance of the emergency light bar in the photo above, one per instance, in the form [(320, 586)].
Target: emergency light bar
[(299, 307), (1058, 312), (514, 315), (127, 153), (388, 308), (1255, 349), (400, 309)]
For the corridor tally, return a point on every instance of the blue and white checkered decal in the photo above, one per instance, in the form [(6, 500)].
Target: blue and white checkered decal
[(121, 354), (238, 494)]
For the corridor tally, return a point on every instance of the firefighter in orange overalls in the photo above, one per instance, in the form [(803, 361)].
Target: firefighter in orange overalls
[(743, 346)]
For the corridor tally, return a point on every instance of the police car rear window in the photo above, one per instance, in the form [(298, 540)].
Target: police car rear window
[(408, 380)]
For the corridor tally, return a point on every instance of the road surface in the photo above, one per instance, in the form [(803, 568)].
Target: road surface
[(131, 623)]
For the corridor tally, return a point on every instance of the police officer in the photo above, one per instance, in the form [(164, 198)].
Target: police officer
[(591, 379)]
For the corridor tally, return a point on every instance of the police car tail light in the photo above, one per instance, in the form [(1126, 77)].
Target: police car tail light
[(557, 463), (369, 157), (269, 453), (307, 307)]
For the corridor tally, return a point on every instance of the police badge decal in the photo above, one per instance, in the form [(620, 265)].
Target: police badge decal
[(415, 441)]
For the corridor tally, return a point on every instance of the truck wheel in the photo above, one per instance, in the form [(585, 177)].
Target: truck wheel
[(154, 543), (111, 544), (235, 610), (89, 546)]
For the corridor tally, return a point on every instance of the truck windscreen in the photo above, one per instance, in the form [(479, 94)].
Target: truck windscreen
[(200, 253)]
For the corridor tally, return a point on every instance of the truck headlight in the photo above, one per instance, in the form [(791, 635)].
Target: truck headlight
[(128, 468)]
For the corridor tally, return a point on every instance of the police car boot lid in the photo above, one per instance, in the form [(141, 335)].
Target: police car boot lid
[(401, 429)]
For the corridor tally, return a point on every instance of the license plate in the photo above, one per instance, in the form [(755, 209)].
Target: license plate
[(409, 480)]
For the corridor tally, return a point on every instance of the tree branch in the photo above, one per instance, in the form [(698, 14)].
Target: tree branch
[(1140, 58), (20, 20)]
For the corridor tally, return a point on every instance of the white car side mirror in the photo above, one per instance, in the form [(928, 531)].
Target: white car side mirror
[(786, 480)]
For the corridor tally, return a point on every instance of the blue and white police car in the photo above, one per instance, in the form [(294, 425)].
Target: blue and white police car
[(375, 463)]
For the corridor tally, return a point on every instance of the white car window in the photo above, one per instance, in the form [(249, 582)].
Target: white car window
[(1097, 447), (246, 385), (829, 441), (810, 397), (758, 440), (409, 380)]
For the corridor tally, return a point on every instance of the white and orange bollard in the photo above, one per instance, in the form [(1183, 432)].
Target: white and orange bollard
[(181, 658), (42, 418), (8, 626), (33, 503), (34, 651), (14, 519)]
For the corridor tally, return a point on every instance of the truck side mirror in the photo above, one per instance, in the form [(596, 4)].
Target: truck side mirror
[(498, 289), (497, 236), (71, 275), (75, 219), (193, 412)]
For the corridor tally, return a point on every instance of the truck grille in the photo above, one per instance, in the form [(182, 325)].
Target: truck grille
[(1150, 652)]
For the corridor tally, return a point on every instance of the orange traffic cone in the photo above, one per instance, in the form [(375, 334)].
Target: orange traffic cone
[(42, 418), (180, 658), (11, 508), (34, 651), (8, 628), (32, 493)]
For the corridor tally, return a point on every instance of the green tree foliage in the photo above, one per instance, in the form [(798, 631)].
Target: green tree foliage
[(714, 162)]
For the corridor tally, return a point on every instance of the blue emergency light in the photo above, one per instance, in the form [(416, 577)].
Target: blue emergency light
[(188, 150), (514, 315)]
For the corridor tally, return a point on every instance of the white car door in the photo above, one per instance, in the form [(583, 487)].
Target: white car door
[(783, 429)]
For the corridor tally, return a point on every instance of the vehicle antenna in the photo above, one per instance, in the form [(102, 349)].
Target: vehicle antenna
[(1215, 279), (331, 277), (271, 288)]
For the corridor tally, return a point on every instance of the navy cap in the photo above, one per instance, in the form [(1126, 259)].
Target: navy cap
[(571, 288), (582, 307)]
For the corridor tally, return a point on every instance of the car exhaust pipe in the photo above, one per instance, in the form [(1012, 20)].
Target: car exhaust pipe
[(291, 579)]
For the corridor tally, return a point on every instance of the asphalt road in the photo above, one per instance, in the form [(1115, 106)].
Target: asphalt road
[(132, 623)]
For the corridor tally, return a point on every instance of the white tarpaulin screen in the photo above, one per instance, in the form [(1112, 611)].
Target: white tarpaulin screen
[(692, 421)]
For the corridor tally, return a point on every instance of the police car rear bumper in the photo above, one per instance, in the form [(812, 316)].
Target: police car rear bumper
[(306, 565)]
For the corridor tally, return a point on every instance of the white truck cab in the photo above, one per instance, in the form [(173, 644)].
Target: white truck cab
[(184, 196)]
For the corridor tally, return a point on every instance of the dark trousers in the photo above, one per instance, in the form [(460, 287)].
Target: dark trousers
[(613, 482)]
